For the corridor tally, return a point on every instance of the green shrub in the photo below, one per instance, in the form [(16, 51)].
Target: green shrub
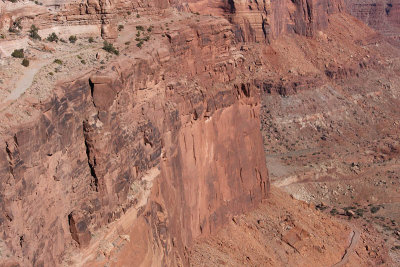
[(138, 16), (149, 29), (18, 53), (334, 211), (140, 28), (15, 27), (375, 209), (25, 62), (120, 27), (52, 37), (110, 48), (72, 39), (91, 40), (33, 33), (83, 62), (58, 61)]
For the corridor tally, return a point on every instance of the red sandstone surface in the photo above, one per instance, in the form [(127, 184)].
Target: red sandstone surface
[(162, 154)]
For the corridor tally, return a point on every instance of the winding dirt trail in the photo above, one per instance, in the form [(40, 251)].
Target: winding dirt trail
[(26, 80), (354, 238)]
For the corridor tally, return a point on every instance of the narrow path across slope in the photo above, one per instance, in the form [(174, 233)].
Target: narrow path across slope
[(26, 80), (355, 237)]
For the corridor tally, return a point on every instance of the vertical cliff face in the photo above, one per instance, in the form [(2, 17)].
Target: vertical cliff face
[(261, 21), (382, 15), (186, 112)]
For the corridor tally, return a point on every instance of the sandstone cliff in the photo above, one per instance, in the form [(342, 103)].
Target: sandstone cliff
[(384, 16), (186, 112), (131, 162), (262, 21)]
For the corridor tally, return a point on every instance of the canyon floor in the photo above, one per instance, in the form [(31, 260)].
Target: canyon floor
[(330, 123)]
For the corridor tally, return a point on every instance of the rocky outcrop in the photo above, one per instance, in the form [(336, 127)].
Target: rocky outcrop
[(261, 21), (382, 15), (189, 109)]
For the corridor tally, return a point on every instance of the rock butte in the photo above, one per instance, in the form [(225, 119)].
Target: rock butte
[(155, 157)]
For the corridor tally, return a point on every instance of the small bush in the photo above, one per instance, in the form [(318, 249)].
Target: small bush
[(18, 53), (127, 43), (25, 62), (72, 39), (83, 62), (140, 44), (129, 13), (375, 209), (110, 48), (16, 27), (120, 27), (334, 211), (51, 74), (150, 29), (62, 40), (140, 28), (138, 16), (52, 37), (58, 61), (33, 33), (91, 40)]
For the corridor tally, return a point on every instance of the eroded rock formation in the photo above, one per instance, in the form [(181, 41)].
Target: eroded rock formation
[(73, 168)]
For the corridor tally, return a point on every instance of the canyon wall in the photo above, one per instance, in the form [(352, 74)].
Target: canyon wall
[(382, 15), (188, 110), (261, 21)]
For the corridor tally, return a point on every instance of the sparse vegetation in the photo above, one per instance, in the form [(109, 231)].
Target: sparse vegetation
[(334, 211), (25, 62), (52, 37), (140, 28), (33, 33), (16, 27), (110, 48), (72, 39), (18, 53), (375, 209)]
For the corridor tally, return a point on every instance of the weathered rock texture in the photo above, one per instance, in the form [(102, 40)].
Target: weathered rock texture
[(73, 168), (382, 15), (266, 20)]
